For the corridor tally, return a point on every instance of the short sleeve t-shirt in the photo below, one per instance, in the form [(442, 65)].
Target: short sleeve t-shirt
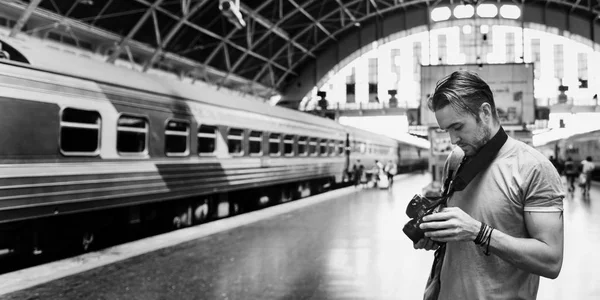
[(519, 180)]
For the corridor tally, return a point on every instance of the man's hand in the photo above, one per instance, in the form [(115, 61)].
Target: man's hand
[(451, 224), (427, 244)]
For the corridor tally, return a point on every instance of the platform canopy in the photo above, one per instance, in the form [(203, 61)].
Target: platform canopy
[(261, 51)]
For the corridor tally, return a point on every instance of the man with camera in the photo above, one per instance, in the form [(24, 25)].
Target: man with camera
[(501, 225)]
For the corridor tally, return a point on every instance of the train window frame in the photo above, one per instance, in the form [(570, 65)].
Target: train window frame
[(145, 130), (287, 140), (323, 144), (80, 125), (313, 141), (303, 141), (254, 139), (178, 133), (331, 151), (241, 139), (206, 135), (341, 148), (275, 140)]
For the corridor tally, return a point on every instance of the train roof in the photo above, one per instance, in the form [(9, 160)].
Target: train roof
[(90, 66), (403, 138), (557, 135)]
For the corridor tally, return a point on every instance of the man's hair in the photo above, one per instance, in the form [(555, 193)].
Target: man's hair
[(465, 91), (589, 158)]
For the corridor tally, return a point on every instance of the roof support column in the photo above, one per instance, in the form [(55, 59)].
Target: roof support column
[(24, 17)]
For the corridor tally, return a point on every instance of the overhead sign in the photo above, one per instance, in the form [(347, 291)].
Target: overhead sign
[(511, 84)]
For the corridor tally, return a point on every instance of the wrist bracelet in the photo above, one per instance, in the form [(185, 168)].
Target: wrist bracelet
[(479, 239)]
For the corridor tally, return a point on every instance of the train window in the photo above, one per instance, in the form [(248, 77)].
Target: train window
[(255, 140), (275, 144), (323, 148), (207, 139), (362, 147), (235, 137), (79, 132), (341, 146), (131, 134), (331, 147), (312, 146), (176, 138), (302, 147), (288, 145)]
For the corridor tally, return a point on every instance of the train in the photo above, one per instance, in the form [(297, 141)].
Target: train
[(91, 148), (578, 147)]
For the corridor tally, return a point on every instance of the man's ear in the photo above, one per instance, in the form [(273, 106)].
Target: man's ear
[(485, 111)]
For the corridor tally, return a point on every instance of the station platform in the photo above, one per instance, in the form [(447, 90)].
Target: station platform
[(346, 244)]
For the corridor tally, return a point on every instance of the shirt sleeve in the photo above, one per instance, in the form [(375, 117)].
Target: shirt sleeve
[(544, 189)]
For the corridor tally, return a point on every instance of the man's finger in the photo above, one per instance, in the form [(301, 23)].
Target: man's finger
[(420, 244), (432, 225), (440, 216), (430, 244), (437, 234)]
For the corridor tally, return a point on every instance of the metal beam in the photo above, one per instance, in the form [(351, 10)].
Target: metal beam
[(24, 17), (218, 48), (213, 35), (124, 41), (339, 9), (239, 61), (346, 10), (156, 30), (172, 33), (301, 60), (270, 26), (376, 7), (317, 23), (101, 12)]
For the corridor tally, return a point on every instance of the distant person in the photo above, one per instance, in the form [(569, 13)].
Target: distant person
[(503, 230), (364, 178), (390, 170), (357, 171), (570, 173), (555, 163), (587, 167)]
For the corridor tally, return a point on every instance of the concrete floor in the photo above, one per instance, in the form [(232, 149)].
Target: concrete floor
[(349, 247)]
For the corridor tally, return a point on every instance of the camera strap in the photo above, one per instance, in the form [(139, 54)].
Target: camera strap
[(467, 170), (471, 166)]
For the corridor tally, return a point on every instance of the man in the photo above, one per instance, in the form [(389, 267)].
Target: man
[(587, 167), (571, 173), (390, 170), (515, 203)]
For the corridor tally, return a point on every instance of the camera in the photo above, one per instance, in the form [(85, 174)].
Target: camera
[(418, 207)]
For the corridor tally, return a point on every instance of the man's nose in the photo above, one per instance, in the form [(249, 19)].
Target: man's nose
[(454, 138)]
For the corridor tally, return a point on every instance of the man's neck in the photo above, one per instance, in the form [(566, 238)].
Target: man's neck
[(494, 131)]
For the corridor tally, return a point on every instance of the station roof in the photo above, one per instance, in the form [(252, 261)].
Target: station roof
[(194, 38)]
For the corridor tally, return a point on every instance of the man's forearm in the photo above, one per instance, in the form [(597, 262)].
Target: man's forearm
[(529, 254)]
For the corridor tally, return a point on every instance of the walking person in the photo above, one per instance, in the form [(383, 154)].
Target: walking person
[(587, 167), (570, 173)]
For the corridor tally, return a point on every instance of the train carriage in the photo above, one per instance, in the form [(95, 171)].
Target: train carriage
[(86, 144), (578, 147)]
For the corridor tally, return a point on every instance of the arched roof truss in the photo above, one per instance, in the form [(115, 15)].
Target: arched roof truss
[(285, 47)]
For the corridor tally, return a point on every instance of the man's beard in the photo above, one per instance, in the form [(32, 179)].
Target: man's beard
[(484, 135)]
